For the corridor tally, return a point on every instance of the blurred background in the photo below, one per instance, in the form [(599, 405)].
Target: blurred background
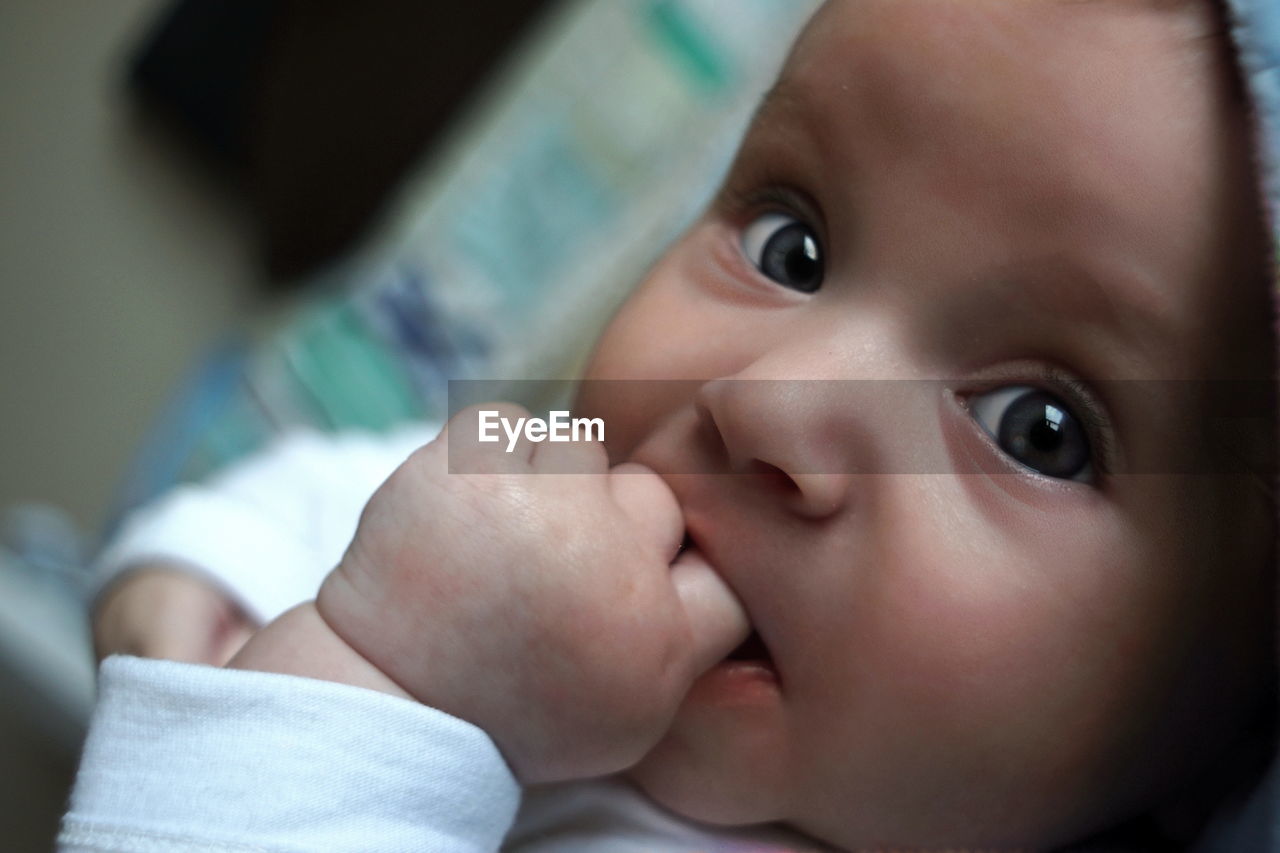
[(117, 267), (225, 219)]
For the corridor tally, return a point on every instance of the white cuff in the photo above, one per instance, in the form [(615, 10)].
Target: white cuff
[(185, 757)]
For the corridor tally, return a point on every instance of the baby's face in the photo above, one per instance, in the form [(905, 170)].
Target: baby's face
[(980, 623)]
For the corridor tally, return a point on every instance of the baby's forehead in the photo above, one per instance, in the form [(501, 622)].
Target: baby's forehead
[(992, 70), (921, 45), (1103, 130)]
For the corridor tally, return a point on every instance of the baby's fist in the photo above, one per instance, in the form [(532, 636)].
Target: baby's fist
[(537, 604)]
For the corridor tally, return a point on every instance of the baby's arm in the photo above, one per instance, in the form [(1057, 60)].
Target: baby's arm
[(542, 607)]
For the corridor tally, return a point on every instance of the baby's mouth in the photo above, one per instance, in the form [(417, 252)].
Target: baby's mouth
[(752, 650), (752, 655), (752, 663)]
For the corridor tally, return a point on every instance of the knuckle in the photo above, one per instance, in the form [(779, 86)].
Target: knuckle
[(593, 454)]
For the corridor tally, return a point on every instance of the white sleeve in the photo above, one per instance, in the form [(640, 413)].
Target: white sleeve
[(182, 757), (269, 528)]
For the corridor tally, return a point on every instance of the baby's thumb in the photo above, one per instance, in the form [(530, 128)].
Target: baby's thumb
[(716, 617), (649, 503)]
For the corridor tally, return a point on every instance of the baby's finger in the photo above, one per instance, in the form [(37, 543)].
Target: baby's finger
[(570, 457), (487, 438), (650, 504), (716, 617)]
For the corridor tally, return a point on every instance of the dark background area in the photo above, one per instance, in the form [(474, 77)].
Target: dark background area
[(317, 107)]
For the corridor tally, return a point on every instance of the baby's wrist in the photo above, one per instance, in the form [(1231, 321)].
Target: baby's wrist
[(300, 642)]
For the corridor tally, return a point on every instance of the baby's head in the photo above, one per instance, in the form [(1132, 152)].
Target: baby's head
[(1021, 203)]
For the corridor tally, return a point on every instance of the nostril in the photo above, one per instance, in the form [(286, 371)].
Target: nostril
[(810, 495), (772, 476)]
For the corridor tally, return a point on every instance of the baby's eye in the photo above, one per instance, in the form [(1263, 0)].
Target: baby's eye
[(786, 250), (1037, 429)]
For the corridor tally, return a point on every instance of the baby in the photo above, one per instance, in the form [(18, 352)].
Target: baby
[(994, 582)]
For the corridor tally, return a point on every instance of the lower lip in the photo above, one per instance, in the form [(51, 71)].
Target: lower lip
[(737, 682)]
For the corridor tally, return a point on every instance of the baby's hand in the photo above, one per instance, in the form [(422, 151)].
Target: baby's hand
[(160, 610), (541, 606)]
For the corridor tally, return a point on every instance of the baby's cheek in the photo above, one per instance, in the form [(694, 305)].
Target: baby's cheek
[(1033, 645)]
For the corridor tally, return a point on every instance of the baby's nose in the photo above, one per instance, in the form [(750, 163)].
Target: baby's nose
[(788, 438)]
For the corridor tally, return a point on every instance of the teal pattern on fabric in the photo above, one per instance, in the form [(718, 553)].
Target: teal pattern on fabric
[(1256, 31)]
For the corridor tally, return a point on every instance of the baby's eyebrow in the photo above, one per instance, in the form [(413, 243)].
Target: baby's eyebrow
[(1124, 304), (785, 98), (781, 95)]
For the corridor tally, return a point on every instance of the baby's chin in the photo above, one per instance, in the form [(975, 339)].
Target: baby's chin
[(721, 795), (671, 776)]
